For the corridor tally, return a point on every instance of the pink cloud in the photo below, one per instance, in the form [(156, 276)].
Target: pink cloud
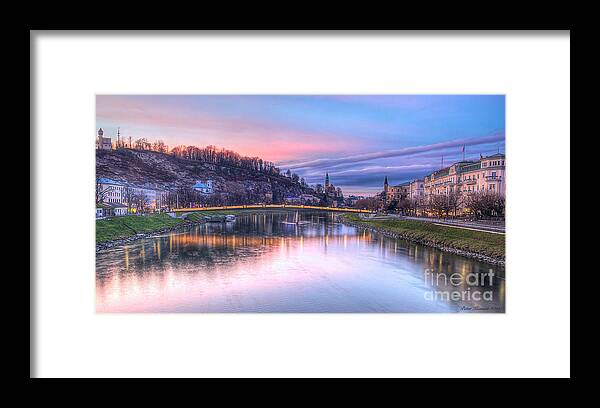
[(178, 125)]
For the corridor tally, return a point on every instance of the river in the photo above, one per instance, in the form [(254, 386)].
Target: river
[(267, 262)]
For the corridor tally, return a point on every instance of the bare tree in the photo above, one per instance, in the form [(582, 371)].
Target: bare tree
[(392, 206), (129, 197), (213, 155), (404, 205), (369, 203), (439, 204), (413, 205), (159, 146), (485, 204), (499, 205), (101, 193), (455, 201), (143, 144), (142, 202)]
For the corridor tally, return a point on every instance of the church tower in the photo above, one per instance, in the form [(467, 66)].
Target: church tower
[(386, 189), (99, 138)]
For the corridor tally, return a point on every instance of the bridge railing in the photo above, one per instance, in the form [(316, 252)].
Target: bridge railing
[(251, 206)]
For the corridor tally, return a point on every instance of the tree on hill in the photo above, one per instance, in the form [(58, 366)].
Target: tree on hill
[(213, 155)]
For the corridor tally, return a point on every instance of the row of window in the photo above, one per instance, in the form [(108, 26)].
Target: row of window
[(465, 178), (491, 187), (493, 163), (115, 191)]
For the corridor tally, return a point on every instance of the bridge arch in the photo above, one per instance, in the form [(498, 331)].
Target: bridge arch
[(259, 206)]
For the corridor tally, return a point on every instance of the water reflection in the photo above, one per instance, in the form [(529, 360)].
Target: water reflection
[(269, 263)]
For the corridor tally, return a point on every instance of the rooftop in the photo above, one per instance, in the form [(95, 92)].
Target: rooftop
[(494, 156), (105, 180), (146, 186), (471, 167), (442, 172), (200, 185)]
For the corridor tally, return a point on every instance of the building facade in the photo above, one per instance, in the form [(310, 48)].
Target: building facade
[(399, 192), (488, 174), (330, 190), (120, 192), (203, 186), (484, 175), (416, 189), (395, 193), (103, 143)]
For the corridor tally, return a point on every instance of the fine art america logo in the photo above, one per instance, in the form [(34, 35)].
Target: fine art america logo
[(475, 286)]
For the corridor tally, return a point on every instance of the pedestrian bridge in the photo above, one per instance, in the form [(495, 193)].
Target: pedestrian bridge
[(258, 206)]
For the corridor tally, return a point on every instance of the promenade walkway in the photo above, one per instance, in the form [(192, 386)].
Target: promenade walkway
[(486, 226)]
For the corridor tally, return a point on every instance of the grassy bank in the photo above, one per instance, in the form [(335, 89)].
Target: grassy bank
[(483, 243), (123, 227)]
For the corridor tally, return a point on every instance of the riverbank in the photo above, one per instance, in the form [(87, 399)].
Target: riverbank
[(483, 246), (117, 231), (121, 230)]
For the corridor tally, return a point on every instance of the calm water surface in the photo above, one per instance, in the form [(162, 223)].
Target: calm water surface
[(267, 263)]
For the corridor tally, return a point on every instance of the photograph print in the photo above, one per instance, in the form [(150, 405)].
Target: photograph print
[(300, 203)]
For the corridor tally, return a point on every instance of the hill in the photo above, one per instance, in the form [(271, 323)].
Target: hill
[(169, 172)]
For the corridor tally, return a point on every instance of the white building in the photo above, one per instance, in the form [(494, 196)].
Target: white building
[(416, 189), (119, 209), (484, 175), (116, 192), (112, 190), (103, 143), (203, 186)]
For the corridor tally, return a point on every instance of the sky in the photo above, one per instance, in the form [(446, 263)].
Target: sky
[(358, 139)]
